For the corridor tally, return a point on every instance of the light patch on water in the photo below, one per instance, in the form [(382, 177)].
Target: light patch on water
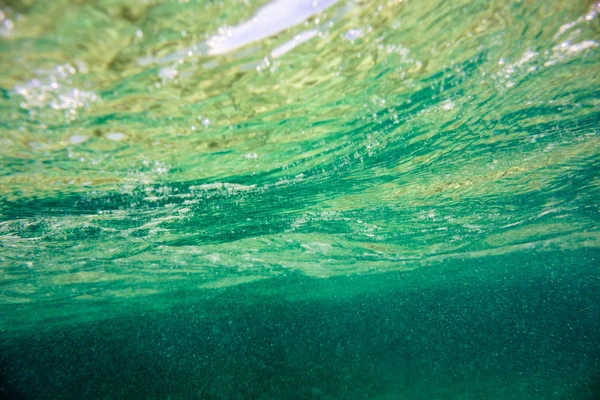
[(235, 188), (6, 25), (563, 51), (204, 121), (224, 188), (273, 18), (269, 20), (531, 61), (527, 56), (115, 136), (167, 74), (508, 70), (316, 247), (296, 41), (353, 34), (592, 13), (72, 98), (52, 88), (76, 139), (581, 46), (447, 105)]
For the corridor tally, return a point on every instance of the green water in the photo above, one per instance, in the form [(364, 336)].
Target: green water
[(341, 200)]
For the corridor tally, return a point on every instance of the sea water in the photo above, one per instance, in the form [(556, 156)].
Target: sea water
[(295, 199)]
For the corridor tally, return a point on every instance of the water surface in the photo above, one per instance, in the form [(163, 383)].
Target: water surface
[(299, 199)]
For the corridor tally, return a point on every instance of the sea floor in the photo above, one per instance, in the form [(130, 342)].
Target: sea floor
[(522, 326)]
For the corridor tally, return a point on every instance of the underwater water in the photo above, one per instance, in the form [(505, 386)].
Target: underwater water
[(298, 199)]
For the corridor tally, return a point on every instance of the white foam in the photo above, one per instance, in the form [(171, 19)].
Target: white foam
[(269, 20)]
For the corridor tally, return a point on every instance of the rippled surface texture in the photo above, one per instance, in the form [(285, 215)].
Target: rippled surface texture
[(299, 199)]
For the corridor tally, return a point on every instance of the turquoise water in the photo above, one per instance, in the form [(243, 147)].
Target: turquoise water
[(296, 199)]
